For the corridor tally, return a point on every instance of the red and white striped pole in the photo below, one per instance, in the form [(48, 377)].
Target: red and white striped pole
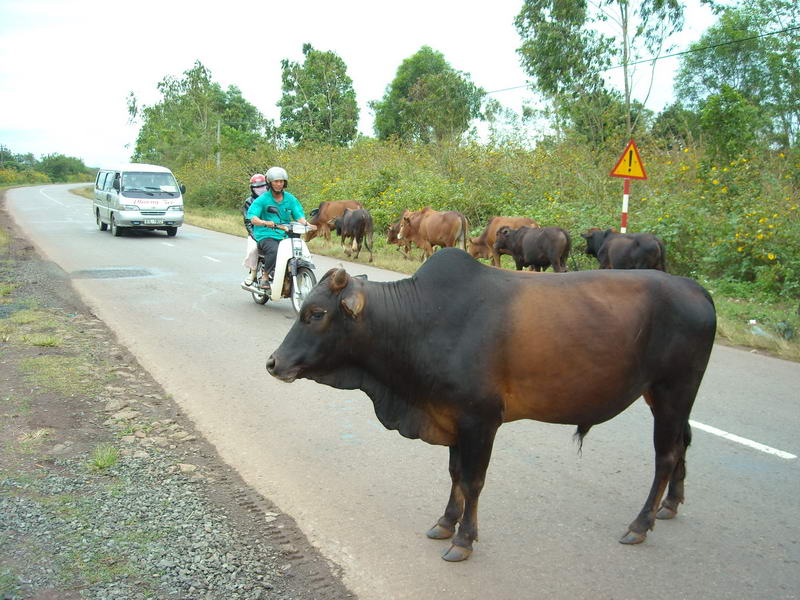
[(626, 194)]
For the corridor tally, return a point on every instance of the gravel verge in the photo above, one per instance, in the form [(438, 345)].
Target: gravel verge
[(107, 491)]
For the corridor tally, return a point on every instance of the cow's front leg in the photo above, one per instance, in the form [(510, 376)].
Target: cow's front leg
[(475, 449), (445, 527)]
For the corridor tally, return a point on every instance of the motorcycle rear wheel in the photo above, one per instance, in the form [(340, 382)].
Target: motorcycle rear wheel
[(302, 286)]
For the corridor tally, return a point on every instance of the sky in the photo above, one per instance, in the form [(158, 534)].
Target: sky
[(67, 66)]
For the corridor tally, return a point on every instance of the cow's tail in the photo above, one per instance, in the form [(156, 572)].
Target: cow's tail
[(464, 232)]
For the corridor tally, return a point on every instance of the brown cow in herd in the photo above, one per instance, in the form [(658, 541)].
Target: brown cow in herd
[(483, 245), (392, 233), (323, 216), (428, 228)]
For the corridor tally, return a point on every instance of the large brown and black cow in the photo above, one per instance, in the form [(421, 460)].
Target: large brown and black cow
[(356, 226), (615, 250), (428, 228), (483, 245), (323, 215), (535, 247), (453, 352)]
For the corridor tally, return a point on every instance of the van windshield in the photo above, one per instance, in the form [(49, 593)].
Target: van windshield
[(143, 185)]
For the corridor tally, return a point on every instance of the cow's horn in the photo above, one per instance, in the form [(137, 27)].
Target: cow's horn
[(339, 280)]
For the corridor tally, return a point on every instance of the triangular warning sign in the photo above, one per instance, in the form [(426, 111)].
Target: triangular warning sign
[(630, 164)]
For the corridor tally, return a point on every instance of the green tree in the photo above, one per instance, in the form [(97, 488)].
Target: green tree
[(427, 100), (60, 168), (318, 102), (565, 54), (677, 126), (742, 51), (195, 118), (730, 123)]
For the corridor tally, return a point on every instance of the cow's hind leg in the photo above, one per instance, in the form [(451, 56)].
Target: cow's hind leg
[(445, 527), (669, 508), (670, 408)]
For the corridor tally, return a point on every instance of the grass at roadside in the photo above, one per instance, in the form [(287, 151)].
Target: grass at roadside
[(777, 322)]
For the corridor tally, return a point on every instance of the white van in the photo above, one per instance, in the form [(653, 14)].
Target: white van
[(138, 196)]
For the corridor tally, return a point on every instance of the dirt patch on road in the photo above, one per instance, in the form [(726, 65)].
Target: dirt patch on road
[(106, 489)]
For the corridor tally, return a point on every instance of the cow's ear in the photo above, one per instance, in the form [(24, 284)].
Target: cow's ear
[(353, 304), (339, 280)]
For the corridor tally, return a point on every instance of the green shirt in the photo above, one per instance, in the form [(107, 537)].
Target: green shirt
[(289, 209)]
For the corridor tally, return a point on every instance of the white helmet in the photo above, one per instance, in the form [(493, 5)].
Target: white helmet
[(276, 173)]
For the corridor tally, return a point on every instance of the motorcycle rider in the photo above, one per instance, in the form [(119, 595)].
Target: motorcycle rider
[(258, 185), (270, 228)]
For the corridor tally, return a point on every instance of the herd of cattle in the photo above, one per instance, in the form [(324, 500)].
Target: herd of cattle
[(522, 238)]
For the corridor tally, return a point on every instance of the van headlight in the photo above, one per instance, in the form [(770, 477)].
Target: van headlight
[(129, 207), (176, 207)]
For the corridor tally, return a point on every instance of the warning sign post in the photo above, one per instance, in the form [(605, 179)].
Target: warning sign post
[(629, 166)]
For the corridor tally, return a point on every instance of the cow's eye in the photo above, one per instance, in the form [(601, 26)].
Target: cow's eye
[(316, 315)]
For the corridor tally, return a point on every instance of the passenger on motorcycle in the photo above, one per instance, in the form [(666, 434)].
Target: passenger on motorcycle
[(258, 185), (268, 228)]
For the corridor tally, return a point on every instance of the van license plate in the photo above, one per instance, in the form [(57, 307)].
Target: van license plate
[(152, 221)]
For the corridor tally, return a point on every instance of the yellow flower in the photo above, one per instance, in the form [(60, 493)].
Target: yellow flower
[(760, 236), (782, 155), (715, 182), (771, 256), (740, 249), (686, 150), (724, 189), (725, 169), (669, 162)]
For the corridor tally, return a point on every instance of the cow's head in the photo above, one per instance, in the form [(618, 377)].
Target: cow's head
[(320, 341), (409, 223), (595, 238), (477, 248), (503, 237)]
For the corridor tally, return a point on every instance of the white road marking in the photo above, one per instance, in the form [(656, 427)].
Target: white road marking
[(212, 258), (740, 440), (43, 193), (168, 244)]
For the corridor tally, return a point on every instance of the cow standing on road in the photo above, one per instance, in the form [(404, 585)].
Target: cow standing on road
[(355, 225), (454, 351), (625, 250), (535, 247)]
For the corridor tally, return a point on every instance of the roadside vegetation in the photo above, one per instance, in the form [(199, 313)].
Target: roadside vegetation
[(722, 162)]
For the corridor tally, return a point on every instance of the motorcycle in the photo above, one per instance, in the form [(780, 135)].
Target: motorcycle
[(294, 270)]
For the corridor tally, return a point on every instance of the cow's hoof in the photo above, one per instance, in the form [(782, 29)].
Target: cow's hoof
[(457, 553), (438, 532), (665, 512), (633, 538)]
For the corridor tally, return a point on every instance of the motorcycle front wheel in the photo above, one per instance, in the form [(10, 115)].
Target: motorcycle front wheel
[(302, 286)]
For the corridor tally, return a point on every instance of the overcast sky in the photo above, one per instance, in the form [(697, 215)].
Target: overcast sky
[(66, 66)]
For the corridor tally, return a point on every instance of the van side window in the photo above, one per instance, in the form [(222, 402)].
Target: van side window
[(101, 180), (110, 180)]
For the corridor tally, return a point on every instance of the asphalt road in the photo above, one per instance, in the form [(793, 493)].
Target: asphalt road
[(549, 517)]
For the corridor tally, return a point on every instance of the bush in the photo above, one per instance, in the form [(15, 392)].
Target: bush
[(736, 220)]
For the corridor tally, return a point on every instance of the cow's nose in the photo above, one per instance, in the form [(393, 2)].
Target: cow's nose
[(271, 364)]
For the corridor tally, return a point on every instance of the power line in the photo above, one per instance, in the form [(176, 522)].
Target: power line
[(657, 58)]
